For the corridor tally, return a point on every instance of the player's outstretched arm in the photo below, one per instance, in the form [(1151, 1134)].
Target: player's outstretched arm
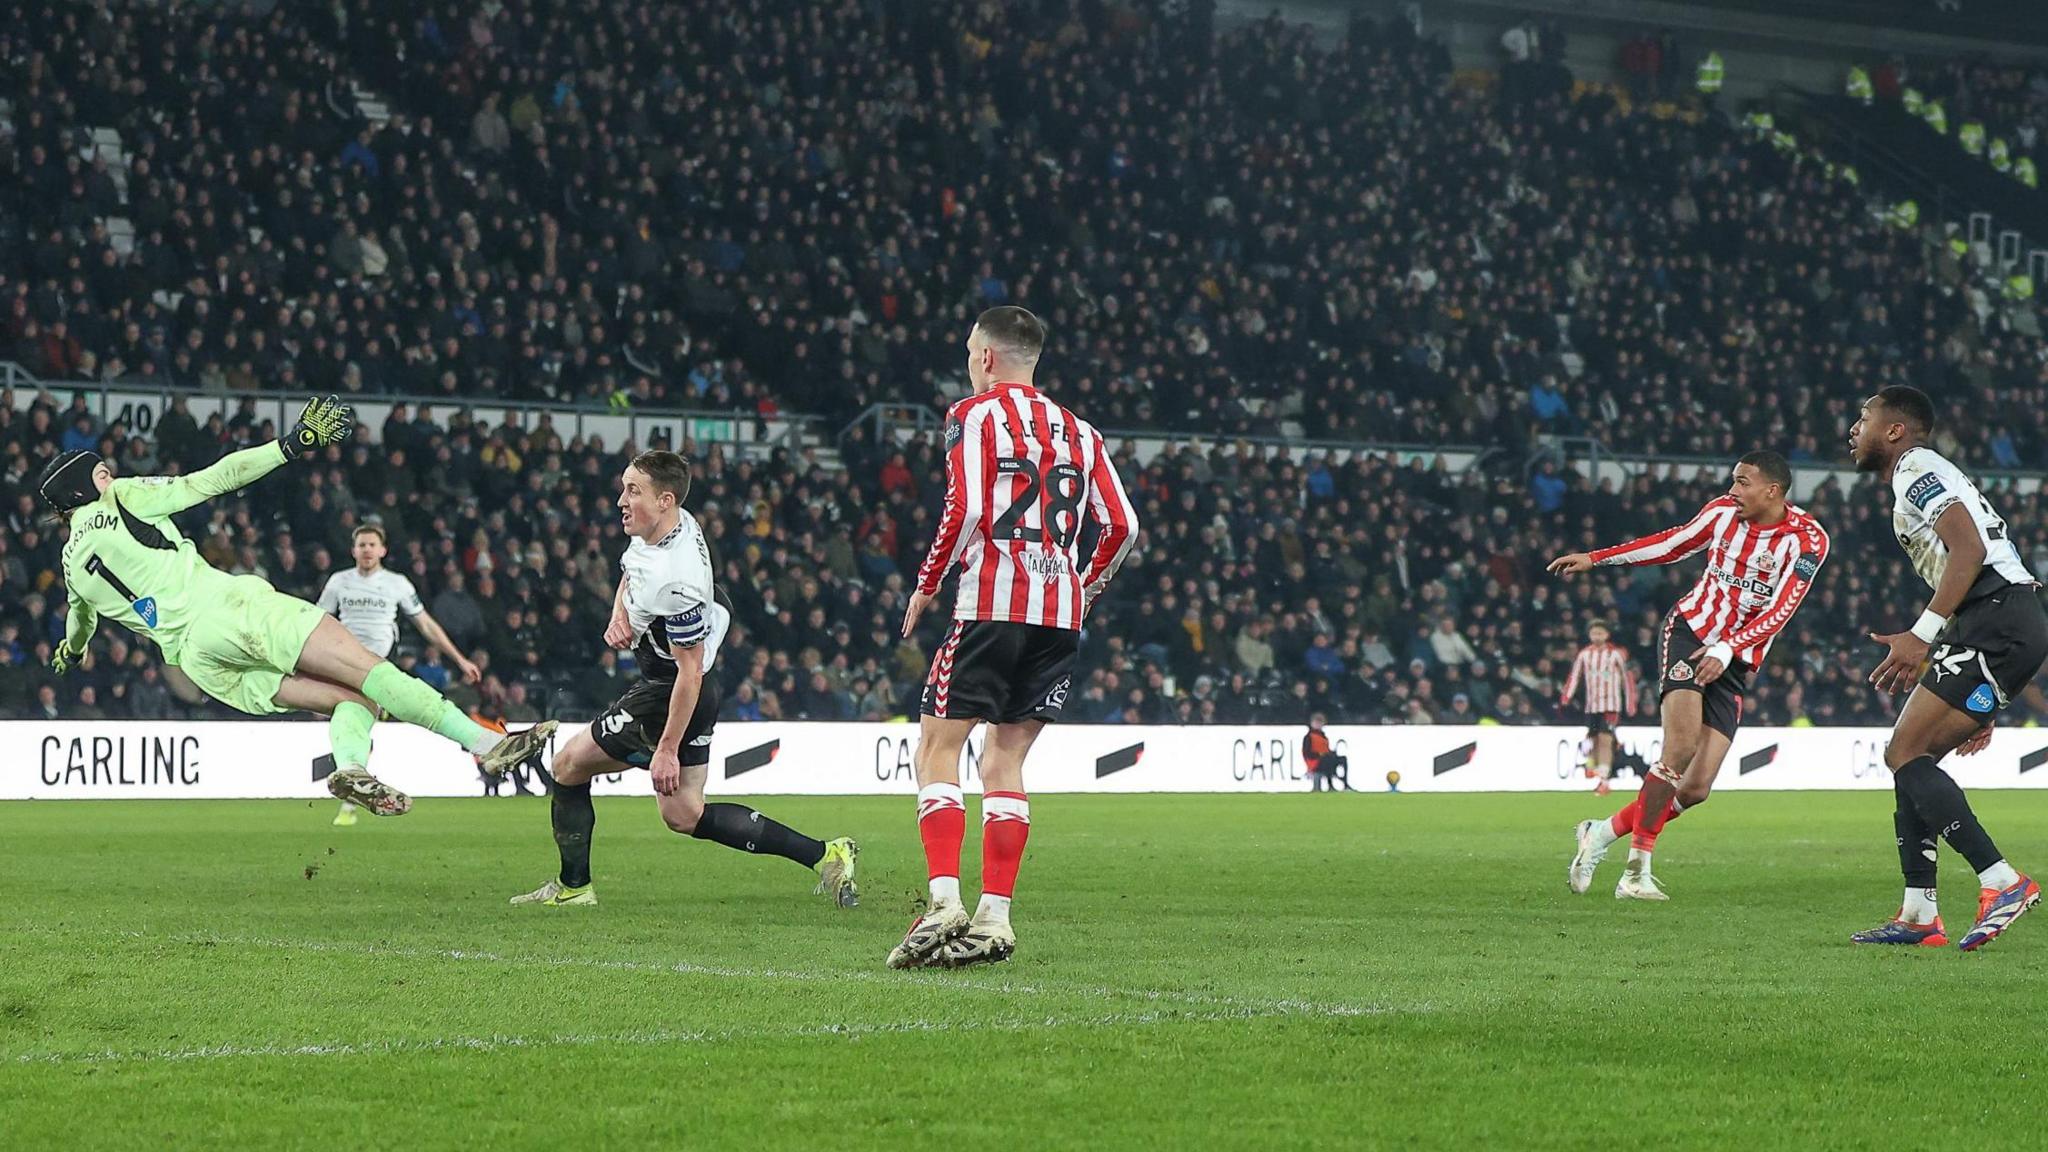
[(321, 422), (1666, 547)]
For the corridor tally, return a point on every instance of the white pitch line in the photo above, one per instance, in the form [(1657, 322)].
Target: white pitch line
[(645, 1039), (1284, 1006)]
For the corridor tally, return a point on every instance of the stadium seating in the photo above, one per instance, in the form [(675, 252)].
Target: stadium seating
[(681, 216), (1267, 584)]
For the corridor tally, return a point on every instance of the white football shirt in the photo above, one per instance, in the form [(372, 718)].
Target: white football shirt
[(1924, 485), (369, 605), (668, 594)]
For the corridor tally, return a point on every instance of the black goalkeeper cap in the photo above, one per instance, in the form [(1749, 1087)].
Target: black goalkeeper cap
[(66, 482)]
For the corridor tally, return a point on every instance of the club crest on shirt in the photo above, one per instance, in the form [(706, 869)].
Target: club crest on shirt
[(1765, 562)]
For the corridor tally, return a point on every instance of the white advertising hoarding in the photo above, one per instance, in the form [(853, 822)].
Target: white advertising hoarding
[(139, 759)]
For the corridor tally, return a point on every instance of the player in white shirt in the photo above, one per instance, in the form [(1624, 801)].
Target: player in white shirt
[(1993, 638), (667, 611), (368, 599)]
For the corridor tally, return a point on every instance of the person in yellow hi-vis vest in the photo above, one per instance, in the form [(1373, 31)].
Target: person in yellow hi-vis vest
[(1760, 123), (1971, 137), (1912, 101), (2018, 287), (1707, 77), (1905, 215), (2024, 172), (1858, 87), (1936, 116), (2000, 154)]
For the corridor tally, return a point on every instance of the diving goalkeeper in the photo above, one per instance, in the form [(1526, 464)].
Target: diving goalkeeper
[(239, 640)]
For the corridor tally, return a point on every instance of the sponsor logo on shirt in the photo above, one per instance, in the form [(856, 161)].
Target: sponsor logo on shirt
[(1806, 567), (1925, 490)]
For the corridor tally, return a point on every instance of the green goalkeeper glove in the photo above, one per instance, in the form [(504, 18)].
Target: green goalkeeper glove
[(62, 658), (324, 420)]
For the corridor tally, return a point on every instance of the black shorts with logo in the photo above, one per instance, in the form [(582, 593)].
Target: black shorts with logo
[(1001, 672), (1598, 722), (1721, 701), (1990, 651), (629, 729)]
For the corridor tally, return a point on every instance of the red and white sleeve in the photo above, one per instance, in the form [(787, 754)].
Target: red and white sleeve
[(1672, 544)]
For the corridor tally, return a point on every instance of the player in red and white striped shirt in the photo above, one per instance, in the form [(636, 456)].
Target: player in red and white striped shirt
[(1762, 556), (1609, 679), (1021, 472)]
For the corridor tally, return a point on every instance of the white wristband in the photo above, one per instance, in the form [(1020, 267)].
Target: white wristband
[(1929, 626), (1721, 652)]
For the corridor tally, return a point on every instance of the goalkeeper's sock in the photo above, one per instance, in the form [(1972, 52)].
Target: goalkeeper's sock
[(738, 826), (942, 825), (348, 734), (574, 818), (405, 698)]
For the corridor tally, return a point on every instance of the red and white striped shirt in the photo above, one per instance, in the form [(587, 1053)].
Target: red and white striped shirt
[(1756, 574), (1609, 678), (1019, 469)]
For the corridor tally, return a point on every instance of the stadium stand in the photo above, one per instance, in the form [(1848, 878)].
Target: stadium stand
[(658, 206)]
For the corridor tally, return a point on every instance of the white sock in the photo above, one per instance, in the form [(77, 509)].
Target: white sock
[(1918, 907), (486, 740), (996, 908), (1638, 860), (1999, 875), (1603, 833), (945, 890)]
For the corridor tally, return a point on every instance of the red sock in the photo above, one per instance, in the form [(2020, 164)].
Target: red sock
[(1646, 830), (1624, 822), (1005, 825), (942, 825)]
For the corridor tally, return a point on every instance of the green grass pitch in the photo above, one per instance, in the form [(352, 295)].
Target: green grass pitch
[(1193, 972)]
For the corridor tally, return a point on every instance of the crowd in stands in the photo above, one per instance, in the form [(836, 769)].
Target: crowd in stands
[(756, 204), (1266, 585), (800, 207)]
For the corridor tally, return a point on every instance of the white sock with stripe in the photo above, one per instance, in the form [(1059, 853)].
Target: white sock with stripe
[(1918, 907)]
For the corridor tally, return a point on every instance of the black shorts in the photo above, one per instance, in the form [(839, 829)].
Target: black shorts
[(1990, 651), (629, 729), (1598, 722), (1001, 672), (1721, 701)]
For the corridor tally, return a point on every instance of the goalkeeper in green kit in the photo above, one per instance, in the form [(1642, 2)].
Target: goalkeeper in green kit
[(239, 640)]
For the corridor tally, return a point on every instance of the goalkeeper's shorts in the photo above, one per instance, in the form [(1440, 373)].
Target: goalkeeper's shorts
[(240, 649)]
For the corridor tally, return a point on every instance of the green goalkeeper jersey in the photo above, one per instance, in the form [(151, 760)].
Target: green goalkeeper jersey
[(126, 561)]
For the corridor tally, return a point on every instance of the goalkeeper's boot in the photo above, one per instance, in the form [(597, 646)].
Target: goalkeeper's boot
[(363, 790), (1638, 884), (1900, 932), (928, 933), (346, 818), (835, 872), (1591, 852), (517, 747), (986, 941), (1997, 908), (555, 894)]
